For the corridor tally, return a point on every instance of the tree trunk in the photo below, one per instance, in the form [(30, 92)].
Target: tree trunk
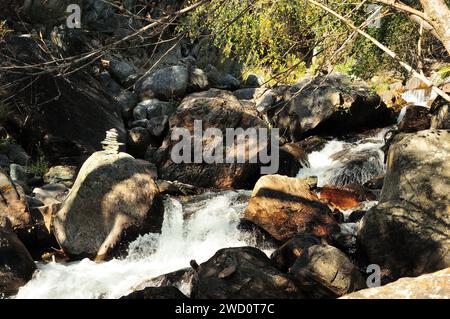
[(439, 16)]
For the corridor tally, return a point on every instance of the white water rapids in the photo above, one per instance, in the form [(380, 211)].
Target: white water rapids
[(210, 228), (193, 230)]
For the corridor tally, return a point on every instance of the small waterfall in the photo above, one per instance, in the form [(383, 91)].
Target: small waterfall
[(342, 162), (420, 96), (195, 230)]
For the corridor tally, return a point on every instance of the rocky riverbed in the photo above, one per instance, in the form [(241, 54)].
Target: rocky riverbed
[(360, 185)]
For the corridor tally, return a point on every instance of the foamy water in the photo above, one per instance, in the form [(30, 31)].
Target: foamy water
[(211, 227), (192, 230)]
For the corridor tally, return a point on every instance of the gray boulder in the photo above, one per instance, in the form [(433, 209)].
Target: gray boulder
[(166, 84), (331, 105), (324, 271), (407, 233), (113, 200), (243, 272)]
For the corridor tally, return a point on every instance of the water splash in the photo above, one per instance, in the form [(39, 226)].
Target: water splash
[(211, 226)]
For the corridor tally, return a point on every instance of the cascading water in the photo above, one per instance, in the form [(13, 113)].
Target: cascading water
[(342, 162), (196, 230), (211, 226), (420, 96)]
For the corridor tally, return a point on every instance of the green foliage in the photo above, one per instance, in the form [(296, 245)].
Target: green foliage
[(39, 167), (275, 37), (445, 72)]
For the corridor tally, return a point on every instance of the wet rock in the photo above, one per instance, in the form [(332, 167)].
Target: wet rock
[(284, 206), (417, 118), (429, 286), (407, 233), (345, 197), (113, 200), (165, 84), (324, 271), (357, 167), (156, 293), (331, 105), (285, 256), (356, 216), (221, 110), (16, 264), (182, 279), (177, 189), (63, 174), (243, 272), (312, 144)]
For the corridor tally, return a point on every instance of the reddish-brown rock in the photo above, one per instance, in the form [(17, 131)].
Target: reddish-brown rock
[(345, 197), (285, 206)]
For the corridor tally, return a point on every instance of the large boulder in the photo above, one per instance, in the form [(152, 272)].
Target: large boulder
[(331, 104), (16, 264), (407, 233), (324, 271), (243, 272), (285, 206), (113, 200), (220, 110), (166, 84), (69, 116), (429, 286)]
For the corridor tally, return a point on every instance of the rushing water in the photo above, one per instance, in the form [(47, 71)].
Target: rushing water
[(212, 226), (342, 162), (194, 230)]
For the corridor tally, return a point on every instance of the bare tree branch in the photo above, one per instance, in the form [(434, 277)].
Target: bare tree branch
[(388, 51)]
